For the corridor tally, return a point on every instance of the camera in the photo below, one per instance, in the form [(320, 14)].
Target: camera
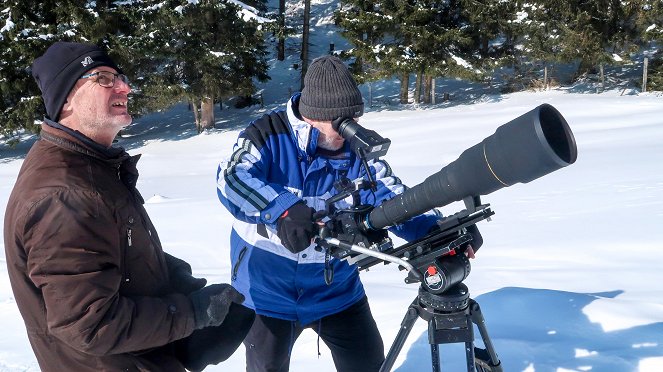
[(526, 148)]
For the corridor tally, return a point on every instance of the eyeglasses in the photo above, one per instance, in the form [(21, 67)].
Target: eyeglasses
[(106, 78)]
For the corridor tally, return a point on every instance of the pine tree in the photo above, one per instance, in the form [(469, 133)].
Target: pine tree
[(650, 24), (170, 49), (34, 27), (204, 52), (590, 32), (365, 26), (432, 40), (490, 25)]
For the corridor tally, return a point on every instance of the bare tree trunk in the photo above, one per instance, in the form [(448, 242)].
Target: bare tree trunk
[(644, 74), (281, 45), (417, 88), (405, 82), (206, 114), (305, 37), (428, 80), (193, 104), (432, 91)]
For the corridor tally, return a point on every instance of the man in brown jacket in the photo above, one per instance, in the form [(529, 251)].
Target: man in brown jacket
[(94, 287)]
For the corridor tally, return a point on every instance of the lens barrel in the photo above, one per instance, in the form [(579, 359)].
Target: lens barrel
[(528, 147)]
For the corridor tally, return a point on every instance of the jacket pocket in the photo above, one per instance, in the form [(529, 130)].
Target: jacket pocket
[(240, 258)]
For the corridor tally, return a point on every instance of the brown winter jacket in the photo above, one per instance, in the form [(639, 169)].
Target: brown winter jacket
[(86, 265)]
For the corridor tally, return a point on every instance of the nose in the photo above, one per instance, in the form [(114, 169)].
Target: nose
[(121, 87)]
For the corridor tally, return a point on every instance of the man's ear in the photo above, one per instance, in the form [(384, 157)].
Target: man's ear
[(67, 108)]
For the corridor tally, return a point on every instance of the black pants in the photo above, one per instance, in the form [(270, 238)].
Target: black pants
[(351, 335)]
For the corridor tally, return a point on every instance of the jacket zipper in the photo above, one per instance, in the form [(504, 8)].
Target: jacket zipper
[(126, 252), (240, 257)]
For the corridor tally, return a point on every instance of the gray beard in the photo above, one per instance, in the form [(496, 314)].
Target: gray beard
[(325, 143)]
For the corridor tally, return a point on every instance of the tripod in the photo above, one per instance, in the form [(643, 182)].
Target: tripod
[(450, 318)]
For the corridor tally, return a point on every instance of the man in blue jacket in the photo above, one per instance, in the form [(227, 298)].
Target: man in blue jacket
[(282, 170)]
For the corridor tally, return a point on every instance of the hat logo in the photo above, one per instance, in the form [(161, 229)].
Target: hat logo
[(86, 61)]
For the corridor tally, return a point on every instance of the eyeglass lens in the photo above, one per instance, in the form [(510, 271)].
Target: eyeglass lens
[(107, 79)]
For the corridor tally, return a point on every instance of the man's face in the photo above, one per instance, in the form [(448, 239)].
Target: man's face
[(98, 112), (328, 139)]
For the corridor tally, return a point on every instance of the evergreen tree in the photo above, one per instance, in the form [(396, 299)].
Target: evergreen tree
[(202, 52), (590, 32), (490, 25), (651, 30), (365, 25), (28, 29), (171, 50), (433, 40)]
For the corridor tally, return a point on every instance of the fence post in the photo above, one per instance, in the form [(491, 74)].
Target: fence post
[(644, 75), (602, 78), (545, 78), (432, 91), (370, 94)]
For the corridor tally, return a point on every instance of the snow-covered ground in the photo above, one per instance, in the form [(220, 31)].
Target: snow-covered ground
[(569, 277)]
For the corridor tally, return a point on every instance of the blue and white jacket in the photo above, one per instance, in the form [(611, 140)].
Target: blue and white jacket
[(275, 164)]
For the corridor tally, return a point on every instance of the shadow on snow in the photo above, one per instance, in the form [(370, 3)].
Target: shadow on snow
[(547, 330)]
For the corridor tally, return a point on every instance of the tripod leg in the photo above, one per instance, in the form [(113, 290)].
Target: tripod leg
[(469, 355), (406, 326), (491, 360), (435, 357)]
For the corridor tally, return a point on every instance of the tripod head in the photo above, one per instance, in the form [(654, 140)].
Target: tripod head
[(437, 260)]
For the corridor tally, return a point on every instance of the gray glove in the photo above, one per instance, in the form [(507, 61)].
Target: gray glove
[(211, 304)]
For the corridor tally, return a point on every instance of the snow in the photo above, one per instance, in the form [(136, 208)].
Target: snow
[(8, 24), (569, 275)]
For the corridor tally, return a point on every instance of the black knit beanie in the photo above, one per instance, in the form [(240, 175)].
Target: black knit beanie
[(57, 71), (330, 91)]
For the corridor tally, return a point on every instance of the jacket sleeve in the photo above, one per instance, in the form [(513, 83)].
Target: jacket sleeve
[(388, 186), (243, 188), (75, 259)]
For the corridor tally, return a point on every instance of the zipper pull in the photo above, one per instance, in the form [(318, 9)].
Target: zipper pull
[(129, 236)]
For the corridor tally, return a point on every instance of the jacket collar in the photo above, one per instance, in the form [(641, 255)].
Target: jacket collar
[(76, 141), (72, 140)]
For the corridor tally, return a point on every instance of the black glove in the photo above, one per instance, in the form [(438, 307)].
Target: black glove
[(295, 227), (185, 283), (181, 280), (211, 304)]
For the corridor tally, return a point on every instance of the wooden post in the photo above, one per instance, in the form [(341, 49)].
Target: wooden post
[(545, 78), (602, 77), (644, 75), (305, 40), (370, 94), (432, 92)]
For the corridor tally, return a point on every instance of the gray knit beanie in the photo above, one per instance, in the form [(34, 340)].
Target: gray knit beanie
[(330, 91)]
